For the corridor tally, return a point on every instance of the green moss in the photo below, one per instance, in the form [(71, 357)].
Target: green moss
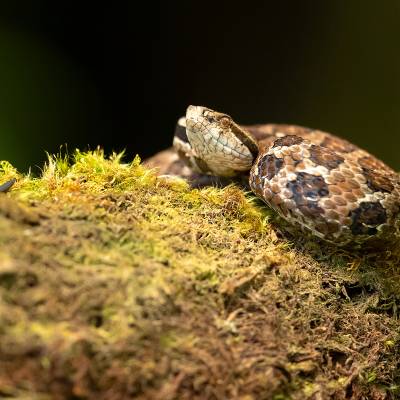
[(116, 283)]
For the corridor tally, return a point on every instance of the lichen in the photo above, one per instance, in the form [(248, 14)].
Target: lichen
[(116, 283)]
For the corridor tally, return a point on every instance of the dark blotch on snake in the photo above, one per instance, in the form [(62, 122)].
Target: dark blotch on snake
[(307, 189), (376, 181), (269, 166), (367, 217), (322, 156), (308, 185), (180, 133), (288, 140)]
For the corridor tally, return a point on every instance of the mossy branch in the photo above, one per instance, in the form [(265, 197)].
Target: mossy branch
[(115, 283)]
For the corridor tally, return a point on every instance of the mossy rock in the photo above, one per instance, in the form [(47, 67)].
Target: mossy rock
[(118, 284)]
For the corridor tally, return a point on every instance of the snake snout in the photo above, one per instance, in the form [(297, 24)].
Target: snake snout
[(200, 114), (195, 111)]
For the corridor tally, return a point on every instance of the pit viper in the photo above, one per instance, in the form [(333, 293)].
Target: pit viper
[(316, 181)]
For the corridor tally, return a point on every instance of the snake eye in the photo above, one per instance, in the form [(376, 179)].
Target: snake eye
[(225, 121)]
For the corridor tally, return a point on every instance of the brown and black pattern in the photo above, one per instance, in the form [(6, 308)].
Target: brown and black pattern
[(328, 193), (376, 180), (269, 166), (307, 189), (367, 217), (322, 156), (307, 186), (288, 140)]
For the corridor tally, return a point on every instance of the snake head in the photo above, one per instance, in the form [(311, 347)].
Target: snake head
[(221, 146)]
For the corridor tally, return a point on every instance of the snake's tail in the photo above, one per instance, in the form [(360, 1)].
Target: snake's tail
[(5, 187)]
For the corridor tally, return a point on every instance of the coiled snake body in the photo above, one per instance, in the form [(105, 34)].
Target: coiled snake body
[(316, 181)]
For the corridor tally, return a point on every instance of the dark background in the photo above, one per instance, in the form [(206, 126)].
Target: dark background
[(119, 76)]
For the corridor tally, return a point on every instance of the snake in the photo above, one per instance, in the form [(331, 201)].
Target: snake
[(319, 183)]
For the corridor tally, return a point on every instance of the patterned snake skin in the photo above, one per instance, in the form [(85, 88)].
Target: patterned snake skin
[(316, 181)]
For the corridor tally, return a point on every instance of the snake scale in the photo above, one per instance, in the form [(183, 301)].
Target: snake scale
[(316, 181)]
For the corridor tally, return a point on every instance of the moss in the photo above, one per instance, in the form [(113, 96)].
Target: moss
[(116, 283)]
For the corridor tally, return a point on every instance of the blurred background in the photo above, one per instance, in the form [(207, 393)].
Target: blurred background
[(118, 76)]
